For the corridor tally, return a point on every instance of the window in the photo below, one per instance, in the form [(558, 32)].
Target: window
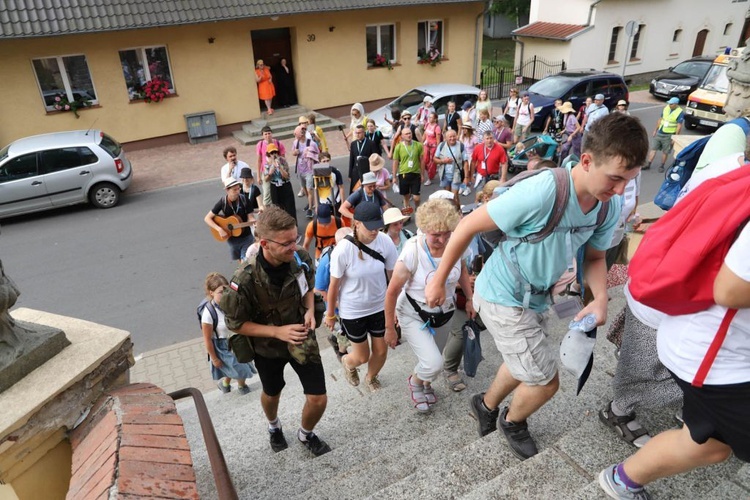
[(727, 29), (381, 39), (66, 77), (677, 35), (56, 160), (19, 168), (143, 64), (612, 57), (429, 35), (636, 42)]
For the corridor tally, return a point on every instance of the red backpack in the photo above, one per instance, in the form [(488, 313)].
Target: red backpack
[(678, 259)]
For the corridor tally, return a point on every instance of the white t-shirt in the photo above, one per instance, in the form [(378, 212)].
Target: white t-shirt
[(646, 315), (221, 327), (227, 170), (628, 198), (362, 287), (415, 258), (714, 169), (683, 340)]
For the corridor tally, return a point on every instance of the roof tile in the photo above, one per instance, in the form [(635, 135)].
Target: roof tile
[(555, 31)]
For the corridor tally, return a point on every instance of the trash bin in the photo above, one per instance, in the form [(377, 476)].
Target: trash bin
[(201, 127)]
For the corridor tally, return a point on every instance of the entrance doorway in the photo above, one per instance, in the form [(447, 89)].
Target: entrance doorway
[(700, 42), (274, 46)]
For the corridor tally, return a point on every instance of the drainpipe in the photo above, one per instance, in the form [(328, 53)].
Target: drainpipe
[(480, 28), (591, 11)]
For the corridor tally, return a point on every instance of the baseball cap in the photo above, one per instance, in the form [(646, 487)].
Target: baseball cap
[(673, 100), (369, 178), (369, 214), (272, 148), (427, 99), (524, 94), (622, 102), (324, 213), (599, 97), (466, 105), (230, 182)]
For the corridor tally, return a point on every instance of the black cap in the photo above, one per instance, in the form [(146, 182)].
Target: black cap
[(246, 173), (369, 214)]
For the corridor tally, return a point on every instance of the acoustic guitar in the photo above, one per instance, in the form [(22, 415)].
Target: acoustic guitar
[(232, 225)]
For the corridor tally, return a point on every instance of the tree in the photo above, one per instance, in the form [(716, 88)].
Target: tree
[(514, 9)]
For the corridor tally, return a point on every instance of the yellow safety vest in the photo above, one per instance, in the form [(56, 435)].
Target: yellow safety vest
[(669, 120)]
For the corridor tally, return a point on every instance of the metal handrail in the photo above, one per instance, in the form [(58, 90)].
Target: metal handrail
[(224, 485)]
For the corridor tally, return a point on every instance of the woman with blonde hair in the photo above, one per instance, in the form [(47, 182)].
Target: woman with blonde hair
[(484, 102), (266, 90), (224, 366), (425, 329)]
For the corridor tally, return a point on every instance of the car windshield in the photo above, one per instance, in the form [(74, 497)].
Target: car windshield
[(110, 145), (553, 86), (4, 152), (692, 68), (409, 101), (716, 79)]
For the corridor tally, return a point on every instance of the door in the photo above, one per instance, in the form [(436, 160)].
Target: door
[(700, 42), (273, 46), (67, 173), (21, 186)]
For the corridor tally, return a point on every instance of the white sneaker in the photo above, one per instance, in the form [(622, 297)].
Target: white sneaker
[(427, 182)]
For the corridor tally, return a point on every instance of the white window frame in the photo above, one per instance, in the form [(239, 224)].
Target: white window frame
[(141, 52), (379, 50), (427, 34), (65, 80)]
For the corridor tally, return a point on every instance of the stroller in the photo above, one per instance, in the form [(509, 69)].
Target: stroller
[(543, 147)]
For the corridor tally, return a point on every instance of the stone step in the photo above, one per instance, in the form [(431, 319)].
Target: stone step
[(283, 125), (294, 111)]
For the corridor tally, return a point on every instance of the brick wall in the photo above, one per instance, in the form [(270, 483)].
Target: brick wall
[(132, 445)]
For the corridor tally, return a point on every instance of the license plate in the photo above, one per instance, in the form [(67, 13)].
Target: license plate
[(708, 123)]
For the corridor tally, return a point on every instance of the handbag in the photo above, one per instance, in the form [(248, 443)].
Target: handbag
[(435, 319), (242, 348), (472, 348)]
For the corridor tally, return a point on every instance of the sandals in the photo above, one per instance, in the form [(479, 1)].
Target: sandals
[(429, 395), (454, 381), (620, 425), (418, 396)]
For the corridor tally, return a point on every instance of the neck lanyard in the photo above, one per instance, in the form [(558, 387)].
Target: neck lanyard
[(487, 153), (364, 193), (450, 117), (370, 136), (429, 255), (408, 149), (360, 146)]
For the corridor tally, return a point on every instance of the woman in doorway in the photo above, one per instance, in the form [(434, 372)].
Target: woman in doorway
[(285, 82), (266, 90)]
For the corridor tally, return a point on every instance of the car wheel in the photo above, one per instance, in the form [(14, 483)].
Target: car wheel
[(104, 195)]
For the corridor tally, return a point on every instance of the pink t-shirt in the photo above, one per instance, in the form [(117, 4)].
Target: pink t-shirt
[(430, 133), (260, 148)]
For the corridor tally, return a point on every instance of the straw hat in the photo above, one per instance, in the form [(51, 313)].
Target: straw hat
[(392, 215), (566, 108), (376, 162)]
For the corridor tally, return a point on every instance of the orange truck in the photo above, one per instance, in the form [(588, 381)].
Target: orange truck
[(705, 106)]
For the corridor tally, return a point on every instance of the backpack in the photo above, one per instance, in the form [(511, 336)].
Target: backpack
[(684, 166), (562, 193), (318, 240), (206, 303), (678, 258)]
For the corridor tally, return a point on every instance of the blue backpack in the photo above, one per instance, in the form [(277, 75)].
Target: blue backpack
[(684, 166)]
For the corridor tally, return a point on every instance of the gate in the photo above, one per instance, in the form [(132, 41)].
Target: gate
[(498, 81)]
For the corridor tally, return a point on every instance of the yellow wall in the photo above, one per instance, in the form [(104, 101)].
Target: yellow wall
[(48, 478), (330, 71)]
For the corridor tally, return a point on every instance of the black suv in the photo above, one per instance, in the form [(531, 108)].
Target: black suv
[(681, 80), (574, 86)]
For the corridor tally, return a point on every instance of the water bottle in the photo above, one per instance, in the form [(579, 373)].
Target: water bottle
[(632, 222), (585, 324)]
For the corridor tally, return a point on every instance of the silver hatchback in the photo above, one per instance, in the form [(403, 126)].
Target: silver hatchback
[(63, 168)]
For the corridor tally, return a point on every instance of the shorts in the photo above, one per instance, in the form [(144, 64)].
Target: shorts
[(445, 183), (306, 180), (238, 246), (519, 335), (356, 330), (662, 142), (410, 183), (271, 372), (518, 131), (720, 412)]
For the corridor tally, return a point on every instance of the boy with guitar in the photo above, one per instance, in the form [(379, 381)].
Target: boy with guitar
[(230, 219)]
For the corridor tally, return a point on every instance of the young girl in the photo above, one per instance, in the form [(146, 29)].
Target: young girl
[(224, 366)]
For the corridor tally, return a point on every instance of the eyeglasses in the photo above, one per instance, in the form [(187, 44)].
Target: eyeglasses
[(407, 118), (287, 244)]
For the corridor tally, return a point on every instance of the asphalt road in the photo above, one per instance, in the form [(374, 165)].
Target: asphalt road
[(140, 266)]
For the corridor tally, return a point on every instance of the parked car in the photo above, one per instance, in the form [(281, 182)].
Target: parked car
[(574, 86), (681, 80), (64, 168), (441, 93)]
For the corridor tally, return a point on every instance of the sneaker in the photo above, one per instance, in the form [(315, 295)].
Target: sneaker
[(309, 214), (335, 344), (619, 491), (316, 445), (519, 439), (373, 384), (486, 420), (278, 441), (243, 389), (427, 182), (300, 194), (224, 388), (661, 168), (351, 375)]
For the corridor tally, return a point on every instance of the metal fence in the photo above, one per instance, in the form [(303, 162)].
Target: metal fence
[(499, 80)]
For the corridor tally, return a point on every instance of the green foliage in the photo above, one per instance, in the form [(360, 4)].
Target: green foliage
[(513, 9)]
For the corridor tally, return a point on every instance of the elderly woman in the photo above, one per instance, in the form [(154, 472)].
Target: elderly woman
[(425, 329), (266, 90)]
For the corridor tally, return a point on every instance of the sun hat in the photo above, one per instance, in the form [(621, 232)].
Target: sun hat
[(622, 102), (324, 213), (428, 98), (392, 215), (230, 182), (467, 125), (405, 113), (369, 178), (303, 119), (599, 97), (376, 162), (246, 173), (566, 108), (369, 214), (673, 100), (272, 148), (466, 105)]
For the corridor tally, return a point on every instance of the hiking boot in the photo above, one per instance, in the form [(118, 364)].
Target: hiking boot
[(619, 491), (224, 388), (350, 374), (373, 384), (243, 389), (519, 439), (335, 344), (316, 445), (278, 441), (661, 168), (486, 420)]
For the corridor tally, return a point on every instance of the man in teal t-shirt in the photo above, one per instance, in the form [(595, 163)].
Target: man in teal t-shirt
[(613, 152)]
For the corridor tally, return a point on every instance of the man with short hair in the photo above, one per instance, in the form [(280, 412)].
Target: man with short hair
[(270, 300), (233, 166), (668, 124), (513, 288), (452, 160), (359, 152), (595, 112), (367, 193), (408, 170), (260, 150), (489, 160), (232, 204)]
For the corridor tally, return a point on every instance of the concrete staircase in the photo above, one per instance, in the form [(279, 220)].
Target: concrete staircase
[(282, 122), (384, 449)]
